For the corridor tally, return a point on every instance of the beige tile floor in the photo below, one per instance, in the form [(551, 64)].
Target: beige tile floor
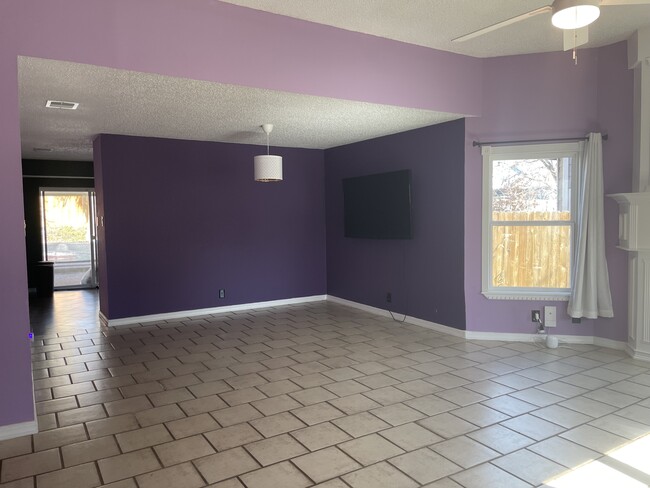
[(321, 394)]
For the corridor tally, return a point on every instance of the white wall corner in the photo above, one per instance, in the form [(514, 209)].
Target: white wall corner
[(638, 47)]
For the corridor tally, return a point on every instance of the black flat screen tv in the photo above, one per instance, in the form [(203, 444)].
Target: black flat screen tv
[(378, 206)]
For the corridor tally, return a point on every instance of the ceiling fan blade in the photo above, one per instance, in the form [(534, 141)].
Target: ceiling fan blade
[(499, 25), (624, 2), (575, 37)]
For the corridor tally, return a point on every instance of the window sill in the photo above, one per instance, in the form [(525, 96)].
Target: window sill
[(513, 295)]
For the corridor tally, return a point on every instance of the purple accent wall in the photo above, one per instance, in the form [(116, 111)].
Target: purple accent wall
[(185, 218), (425, 274), (545, 96)]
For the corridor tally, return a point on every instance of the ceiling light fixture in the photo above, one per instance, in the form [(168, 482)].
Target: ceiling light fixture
[(268, 168), (574, 14)]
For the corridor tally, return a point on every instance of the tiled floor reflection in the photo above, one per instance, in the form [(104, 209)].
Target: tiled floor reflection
[(320, 394), (66, 310)]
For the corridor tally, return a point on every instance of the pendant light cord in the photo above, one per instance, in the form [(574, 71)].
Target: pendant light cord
[(575, 41), (267, 144)]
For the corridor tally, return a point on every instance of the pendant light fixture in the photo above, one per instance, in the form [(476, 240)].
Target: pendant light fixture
[(268, 168)]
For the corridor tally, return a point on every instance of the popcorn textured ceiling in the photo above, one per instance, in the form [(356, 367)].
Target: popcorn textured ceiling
[(142, 104)]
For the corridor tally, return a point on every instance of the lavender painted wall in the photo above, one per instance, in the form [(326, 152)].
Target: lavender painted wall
[(425, 274), (546, 96), (615, 115), (15, 360), (215, 41), (185, 218)]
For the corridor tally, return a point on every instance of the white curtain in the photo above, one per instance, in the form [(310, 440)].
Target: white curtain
[(590, 295)]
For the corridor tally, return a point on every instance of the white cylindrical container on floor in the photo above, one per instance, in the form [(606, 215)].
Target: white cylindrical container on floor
[(551, 342)]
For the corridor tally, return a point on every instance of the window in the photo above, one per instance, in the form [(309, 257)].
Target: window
[(529, 202)]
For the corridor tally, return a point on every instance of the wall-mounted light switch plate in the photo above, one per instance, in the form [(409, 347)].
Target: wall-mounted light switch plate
[(550, 316)]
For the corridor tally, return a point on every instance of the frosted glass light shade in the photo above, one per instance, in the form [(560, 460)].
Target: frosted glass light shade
[(268, 168), (574, 14)]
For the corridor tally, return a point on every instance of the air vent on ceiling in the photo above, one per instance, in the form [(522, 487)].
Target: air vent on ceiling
[(62, 104)]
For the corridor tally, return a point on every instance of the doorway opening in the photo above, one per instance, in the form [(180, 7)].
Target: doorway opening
[(69, 236)]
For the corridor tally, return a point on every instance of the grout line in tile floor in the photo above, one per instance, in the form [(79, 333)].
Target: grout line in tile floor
[(466, 399)]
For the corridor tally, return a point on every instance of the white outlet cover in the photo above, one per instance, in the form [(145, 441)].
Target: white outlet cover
[(550, 316)]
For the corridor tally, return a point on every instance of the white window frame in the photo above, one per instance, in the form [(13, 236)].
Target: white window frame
[(536, 151)]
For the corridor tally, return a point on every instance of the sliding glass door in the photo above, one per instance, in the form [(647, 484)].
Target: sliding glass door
[(69, 238)]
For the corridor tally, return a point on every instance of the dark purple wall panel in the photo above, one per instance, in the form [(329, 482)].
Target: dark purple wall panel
[(185, 218), (425, 274)]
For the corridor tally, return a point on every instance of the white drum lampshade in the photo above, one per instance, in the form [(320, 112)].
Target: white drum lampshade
[(574, 14), (268, 168)]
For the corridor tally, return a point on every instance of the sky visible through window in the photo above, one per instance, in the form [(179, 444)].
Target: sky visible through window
[(531, 185)]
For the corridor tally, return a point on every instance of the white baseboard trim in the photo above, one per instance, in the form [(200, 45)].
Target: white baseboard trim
[(475, 335), (103, 319), (18, 430), (567, 339), (445, 329), (618, 345), (488, 336), (206, 311), (357, 305)]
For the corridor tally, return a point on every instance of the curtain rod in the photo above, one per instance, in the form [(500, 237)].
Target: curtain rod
[(493, 143)]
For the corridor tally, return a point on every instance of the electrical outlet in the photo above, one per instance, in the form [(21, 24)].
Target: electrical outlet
[(550, 316), (389, 297), (222, 293), (576, 320), (535, 315)]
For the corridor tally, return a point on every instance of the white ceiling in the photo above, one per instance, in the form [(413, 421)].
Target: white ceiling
[(434, 23), (125, 102)]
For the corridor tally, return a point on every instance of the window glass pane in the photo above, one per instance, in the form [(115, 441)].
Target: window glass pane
[(531, 256), (531, 189)]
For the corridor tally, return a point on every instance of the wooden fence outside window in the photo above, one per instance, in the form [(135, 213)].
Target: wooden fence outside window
[(531, 255)]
